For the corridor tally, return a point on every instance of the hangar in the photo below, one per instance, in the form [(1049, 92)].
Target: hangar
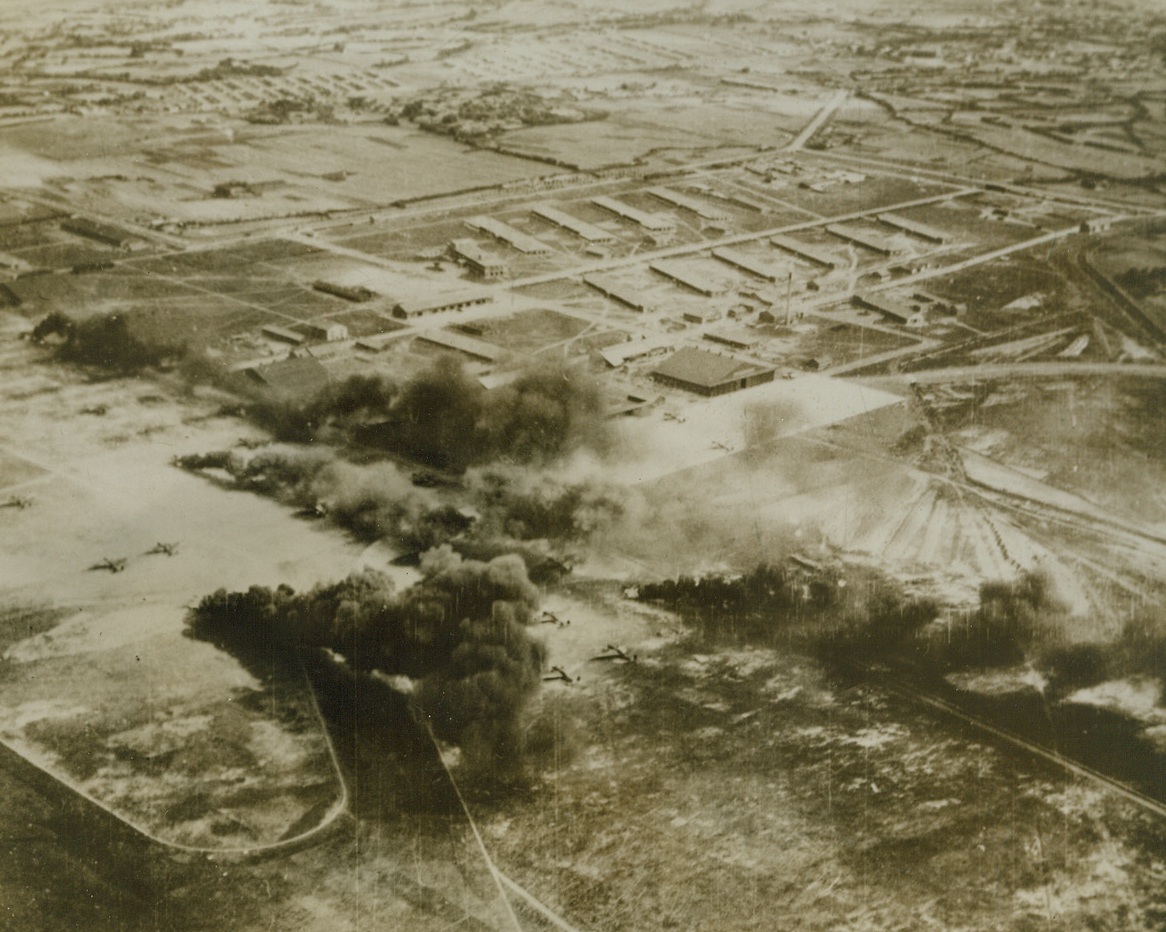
[(710, 374)]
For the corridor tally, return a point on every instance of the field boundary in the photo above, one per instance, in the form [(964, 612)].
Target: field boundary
[(335, 811)]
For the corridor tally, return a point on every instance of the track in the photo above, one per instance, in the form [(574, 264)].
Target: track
[(503, 882)]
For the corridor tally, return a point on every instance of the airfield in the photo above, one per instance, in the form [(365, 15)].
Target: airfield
[(873, 293)]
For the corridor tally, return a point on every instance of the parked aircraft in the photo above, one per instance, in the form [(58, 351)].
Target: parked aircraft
[(317, 509), (550, 618), (114, 566), (611, 652)]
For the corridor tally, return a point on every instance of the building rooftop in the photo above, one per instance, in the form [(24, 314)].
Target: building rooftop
[(415, 303), (299, 376), (471, 346), (699, 367), (620, 353)]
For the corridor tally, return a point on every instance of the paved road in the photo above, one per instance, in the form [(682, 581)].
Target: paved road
[(1021, 370), (1049, 194), (940, 271), (816, 124)]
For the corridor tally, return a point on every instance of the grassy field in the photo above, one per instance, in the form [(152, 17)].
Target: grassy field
[(377, 165), (211, 758), (733, 787), (1024, 279), (100, 686), (530, 331), (1088, 436)]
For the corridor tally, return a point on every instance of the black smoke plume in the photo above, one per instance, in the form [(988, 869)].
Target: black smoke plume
[(107, 341), (330, 414), (832, 608), (456, 642), (500, 510), (443, 418)]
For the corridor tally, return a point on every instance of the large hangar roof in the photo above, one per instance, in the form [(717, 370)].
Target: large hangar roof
[(700, 367)]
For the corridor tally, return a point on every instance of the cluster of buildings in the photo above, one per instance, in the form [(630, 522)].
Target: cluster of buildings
[(709, 362)]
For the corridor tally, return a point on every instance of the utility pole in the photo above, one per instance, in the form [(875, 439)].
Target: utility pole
[(789, 285)]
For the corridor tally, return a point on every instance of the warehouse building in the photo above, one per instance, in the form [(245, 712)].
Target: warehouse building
[(355, 293), (618, 292), (878, 246), (656, 223), (748, 264), (504, 232), (581, 228), (894, 314), (299, 377), (409, 308), (710, 374), (918, 230), (739, 339), (325, 331), (802, 251), (484, 264), (98, 232), (749, 203), (283, 334), (684, 202), (470, 346), (615, 356), (682, 276)]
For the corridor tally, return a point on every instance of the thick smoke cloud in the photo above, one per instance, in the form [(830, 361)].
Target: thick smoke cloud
[(526, 505), (546, 413), (1014, 621), (1138, 651), (857, 611), (502, 509), (374, 501), (105, 340), (330, 414), (457, 640), (443, 418)]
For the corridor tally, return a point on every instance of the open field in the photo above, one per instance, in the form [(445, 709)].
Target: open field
[(712, 817), (628, 134), (285, 167), (167, 732), (1086, 436)]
